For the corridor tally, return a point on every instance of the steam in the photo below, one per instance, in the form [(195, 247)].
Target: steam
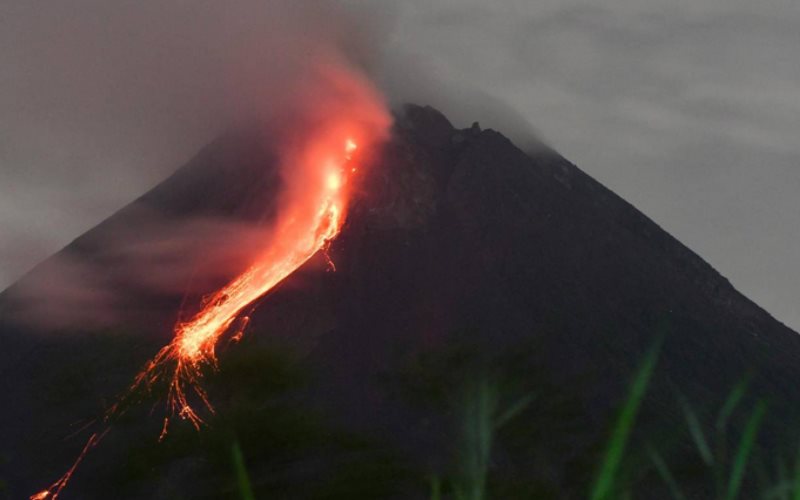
[(106, 99), (140, 86)]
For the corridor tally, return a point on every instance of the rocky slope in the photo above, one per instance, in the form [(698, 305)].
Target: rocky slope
[(463, 259)]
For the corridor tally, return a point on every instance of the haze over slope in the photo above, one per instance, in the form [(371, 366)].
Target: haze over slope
[(458, 240)]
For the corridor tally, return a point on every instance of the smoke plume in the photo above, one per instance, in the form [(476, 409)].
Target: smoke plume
[(135, 88)]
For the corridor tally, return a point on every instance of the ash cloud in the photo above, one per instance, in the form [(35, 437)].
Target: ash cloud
[(103, 101), (686, 110), (126, 269)]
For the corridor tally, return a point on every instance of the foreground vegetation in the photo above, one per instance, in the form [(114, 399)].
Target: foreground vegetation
[(477, 427)]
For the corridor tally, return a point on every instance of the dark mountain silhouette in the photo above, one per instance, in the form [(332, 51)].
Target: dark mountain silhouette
[(463, 257)]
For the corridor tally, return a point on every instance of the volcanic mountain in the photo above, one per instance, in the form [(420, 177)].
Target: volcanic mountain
[(466, 267)]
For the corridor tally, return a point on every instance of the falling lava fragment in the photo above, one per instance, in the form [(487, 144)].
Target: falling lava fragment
[(311, 221), (55, 489), (301, 233), (340, 112)]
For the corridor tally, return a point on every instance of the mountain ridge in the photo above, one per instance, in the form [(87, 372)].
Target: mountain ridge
[(456, 238)]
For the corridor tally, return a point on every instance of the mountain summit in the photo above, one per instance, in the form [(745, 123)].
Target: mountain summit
[(465, 262)]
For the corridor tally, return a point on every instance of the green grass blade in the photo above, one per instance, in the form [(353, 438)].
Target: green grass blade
[(746, 445), (734, 398), (780, 490), (514, 410), (696, 430), (242, 478), (436, 488), (782, 479), (604, 483), (477, 433), (796, 494), (664, 472)]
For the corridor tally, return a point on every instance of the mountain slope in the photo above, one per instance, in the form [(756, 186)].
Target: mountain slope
[(462, 254)]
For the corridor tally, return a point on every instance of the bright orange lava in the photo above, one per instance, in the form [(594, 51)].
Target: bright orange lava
[(301, 233), (317, 166), (55, 489), (306, 228)]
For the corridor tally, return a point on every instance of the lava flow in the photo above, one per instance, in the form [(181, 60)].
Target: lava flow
[(307, 226), (318, 136), (314, 207), (307, 229)]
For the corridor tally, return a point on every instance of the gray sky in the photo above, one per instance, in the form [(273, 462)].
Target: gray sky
[(689, 109)]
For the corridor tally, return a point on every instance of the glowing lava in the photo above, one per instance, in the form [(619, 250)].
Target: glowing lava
[(55, 489), (305, 229), (299, 236), (340, 112)]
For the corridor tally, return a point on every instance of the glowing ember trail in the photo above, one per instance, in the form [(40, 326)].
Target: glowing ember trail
[(301, 234), (55, 489), (318, 144)]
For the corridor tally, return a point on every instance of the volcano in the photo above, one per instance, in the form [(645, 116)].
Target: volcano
[(465, 262)]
